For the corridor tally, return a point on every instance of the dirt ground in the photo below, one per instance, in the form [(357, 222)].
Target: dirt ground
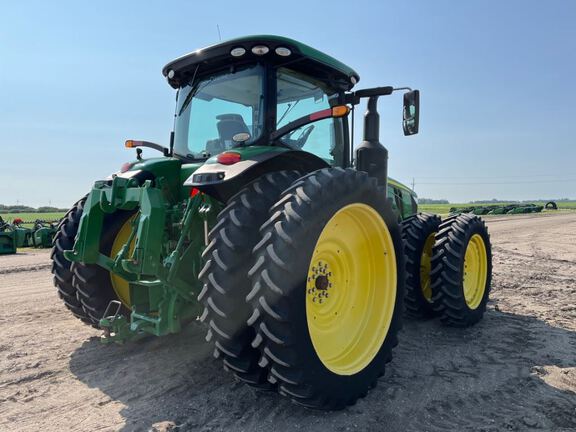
[(516, 370)]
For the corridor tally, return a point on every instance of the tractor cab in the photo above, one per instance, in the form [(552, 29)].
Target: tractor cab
[(240, 93), (258, 104)]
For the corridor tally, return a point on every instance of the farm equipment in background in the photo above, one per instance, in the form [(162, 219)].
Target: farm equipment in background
[(7, 238), (525, 208), (23, 234), (264, 221), (19, 235), (498, 209), (43, 233)]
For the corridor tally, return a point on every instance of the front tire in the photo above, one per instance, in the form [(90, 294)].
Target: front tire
[(328, 284), (461, 270), (419, 234)]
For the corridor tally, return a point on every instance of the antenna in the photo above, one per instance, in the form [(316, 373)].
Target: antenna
[(219, 35), (413, 183)]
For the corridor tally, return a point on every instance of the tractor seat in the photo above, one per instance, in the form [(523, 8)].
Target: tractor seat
[(229, 125)]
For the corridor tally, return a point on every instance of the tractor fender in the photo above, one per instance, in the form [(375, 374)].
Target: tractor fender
[(223, 181)]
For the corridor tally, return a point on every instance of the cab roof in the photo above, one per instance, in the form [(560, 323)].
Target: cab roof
[(399, 185), (301, 57)]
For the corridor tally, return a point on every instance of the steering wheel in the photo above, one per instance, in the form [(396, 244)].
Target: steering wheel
[(303, 137)]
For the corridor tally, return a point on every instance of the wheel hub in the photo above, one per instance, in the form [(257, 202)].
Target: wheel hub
[(319, 283)]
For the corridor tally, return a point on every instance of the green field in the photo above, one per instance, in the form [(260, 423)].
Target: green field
[(444, 209), (441, 209), (31, 217)]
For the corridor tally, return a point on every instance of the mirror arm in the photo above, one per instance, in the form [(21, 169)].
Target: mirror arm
[(353, 98), (134, 144)]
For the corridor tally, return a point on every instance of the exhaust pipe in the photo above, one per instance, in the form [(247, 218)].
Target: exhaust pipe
[(371, 156)]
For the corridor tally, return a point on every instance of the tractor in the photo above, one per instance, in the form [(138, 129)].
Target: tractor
[(264, 221)]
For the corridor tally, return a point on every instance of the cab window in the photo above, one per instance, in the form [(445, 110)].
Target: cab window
[(392, 197), (408, 204), (298, 95), (212, 111)]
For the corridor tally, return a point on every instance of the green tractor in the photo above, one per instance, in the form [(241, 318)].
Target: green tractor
[(263, 221)]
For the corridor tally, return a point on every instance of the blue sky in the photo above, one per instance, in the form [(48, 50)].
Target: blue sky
[(497, 81)]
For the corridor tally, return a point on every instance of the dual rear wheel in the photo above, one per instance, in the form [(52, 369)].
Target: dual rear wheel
[(319, 310), (317, 315), (449, 267)]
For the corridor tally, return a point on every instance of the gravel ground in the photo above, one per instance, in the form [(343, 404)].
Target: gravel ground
[(516, 370)]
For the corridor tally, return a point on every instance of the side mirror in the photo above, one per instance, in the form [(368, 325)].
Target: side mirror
[(411, 112)]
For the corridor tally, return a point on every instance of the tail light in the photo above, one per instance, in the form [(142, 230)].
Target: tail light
[(229, 158)]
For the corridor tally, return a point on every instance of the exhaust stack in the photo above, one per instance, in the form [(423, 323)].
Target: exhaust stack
[(371, 156)]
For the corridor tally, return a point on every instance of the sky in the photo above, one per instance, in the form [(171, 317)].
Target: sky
[(497, 81)]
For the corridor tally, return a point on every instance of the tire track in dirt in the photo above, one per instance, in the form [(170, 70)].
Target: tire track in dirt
[(29, 260), (501, 392)]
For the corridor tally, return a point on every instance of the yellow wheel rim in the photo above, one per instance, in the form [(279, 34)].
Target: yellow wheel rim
[(351, 289), (120, 285), (475, 271), (426, 267)]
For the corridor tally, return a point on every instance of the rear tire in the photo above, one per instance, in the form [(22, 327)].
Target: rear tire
[(551, 205), (303, 225), (418, 233), (224, 276), (92, 282), (63, 275), (461, 270)]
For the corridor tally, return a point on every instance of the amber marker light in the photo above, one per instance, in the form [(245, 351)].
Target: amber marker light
[(132, 143), (340, 111), (337, 111)]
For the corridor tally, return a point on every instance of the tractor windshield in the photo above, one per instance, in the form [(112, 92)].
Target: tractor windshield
[(219, 112)]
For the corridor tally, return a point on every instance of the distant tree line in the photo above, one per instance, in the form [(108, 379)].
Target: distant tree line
[(492, 201), (27, 209), (432, 201)]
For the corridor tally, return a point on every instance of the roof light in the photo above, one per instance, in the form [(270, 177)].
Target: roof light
[(353, 80), (229, 158), (171, 74), (241, 137), (260, 49), (132, 143), (237, 52), (283, 51)]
